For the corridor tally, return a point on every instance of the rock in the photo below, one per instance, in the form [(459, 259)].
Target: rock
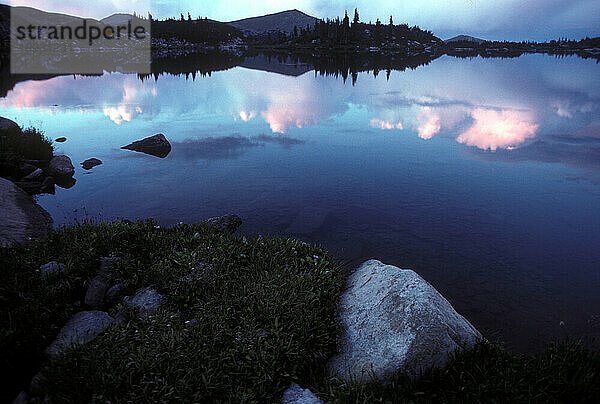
[(229, 223), (156, 145), (297, 395), (91, 163), (94, 297), (65, 182), (51, 268), (146, 301), (22, 398), (25, 169), (35, 175), (61, 166), (115, 294), (107, 264), (393, 320), (21, 218), (61, 140), (48, 186), (32, 188), (6, 124), (83, 327), (36, 387)]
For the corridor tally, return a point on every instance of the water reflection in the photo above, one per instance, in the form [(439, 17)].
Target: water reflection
[(480, 174)]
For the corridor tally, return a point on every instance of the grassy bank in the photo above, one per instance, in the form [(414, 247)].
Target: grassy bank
[(25, 144), (242, 319)]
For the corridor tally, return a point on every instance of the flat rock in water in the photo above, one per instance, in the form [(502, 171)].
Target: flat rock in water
[(297, 395), (83, 327), (393, 320), (61, 166), (91, 163), (156, 145), (61, 140), (21, 218)]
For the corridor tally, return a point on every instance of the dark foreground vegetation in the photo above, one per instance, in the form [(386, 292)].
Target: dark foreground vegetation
[(243, 318)]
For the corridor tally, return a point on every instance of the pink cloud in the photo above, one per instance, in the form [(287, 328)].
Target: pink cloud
[(247, 116), (384, 125), (429, 123), (499, 129), (281, 118)]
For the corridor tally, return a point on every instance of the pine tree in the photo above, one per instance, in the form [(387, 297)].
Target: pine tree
[(356, 17)]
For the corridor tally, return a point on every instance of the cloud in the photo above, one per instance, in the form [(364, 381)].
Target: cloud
[(384, 125), (429, 123), (499, 129)]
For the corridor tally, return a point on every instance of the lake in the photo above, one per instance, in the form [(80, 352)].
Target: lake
[(482, 175)]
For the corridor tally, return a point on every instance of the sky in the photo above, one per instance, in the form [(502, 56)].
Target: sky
[(490, 19)]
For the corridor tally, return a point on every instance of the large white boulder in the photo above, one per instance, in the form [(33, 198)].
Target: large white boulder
[(393, 320)]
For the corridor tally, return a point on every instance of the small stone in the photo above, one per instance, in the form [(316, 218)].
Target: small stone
[(37, 174), (107, 265), (91, 163), (146, 301), (36, 387), (297, 395), (83, 327), (94, 296), (228, 223), (51, 268), (115, 294), (61, 140), (22, 398)]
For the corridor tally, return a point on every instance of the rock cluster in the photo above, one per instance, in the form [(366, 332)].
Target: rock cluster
[(37, 176)]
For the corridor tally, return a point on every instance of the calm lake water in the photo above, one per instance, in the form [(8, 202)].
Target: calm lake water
[(481, 175)]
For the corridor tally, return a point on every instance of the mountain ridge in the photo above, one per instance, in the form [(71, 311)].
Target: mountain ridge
[(283, 21)]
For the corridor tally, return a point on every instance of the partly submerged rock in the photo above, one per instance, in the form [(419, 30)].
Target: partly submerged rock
[(21, 218), (146, 301), (297, 395), (6, 124), (91, 163), (61, 166), (65, 182), (228, 223), (60, 139), (156, 145), (83, 327), (393, 320)]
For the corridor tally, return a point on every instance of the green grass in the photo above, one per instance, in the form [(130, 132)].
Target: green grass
[(263, 310), (242, 320), (29, 144)]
